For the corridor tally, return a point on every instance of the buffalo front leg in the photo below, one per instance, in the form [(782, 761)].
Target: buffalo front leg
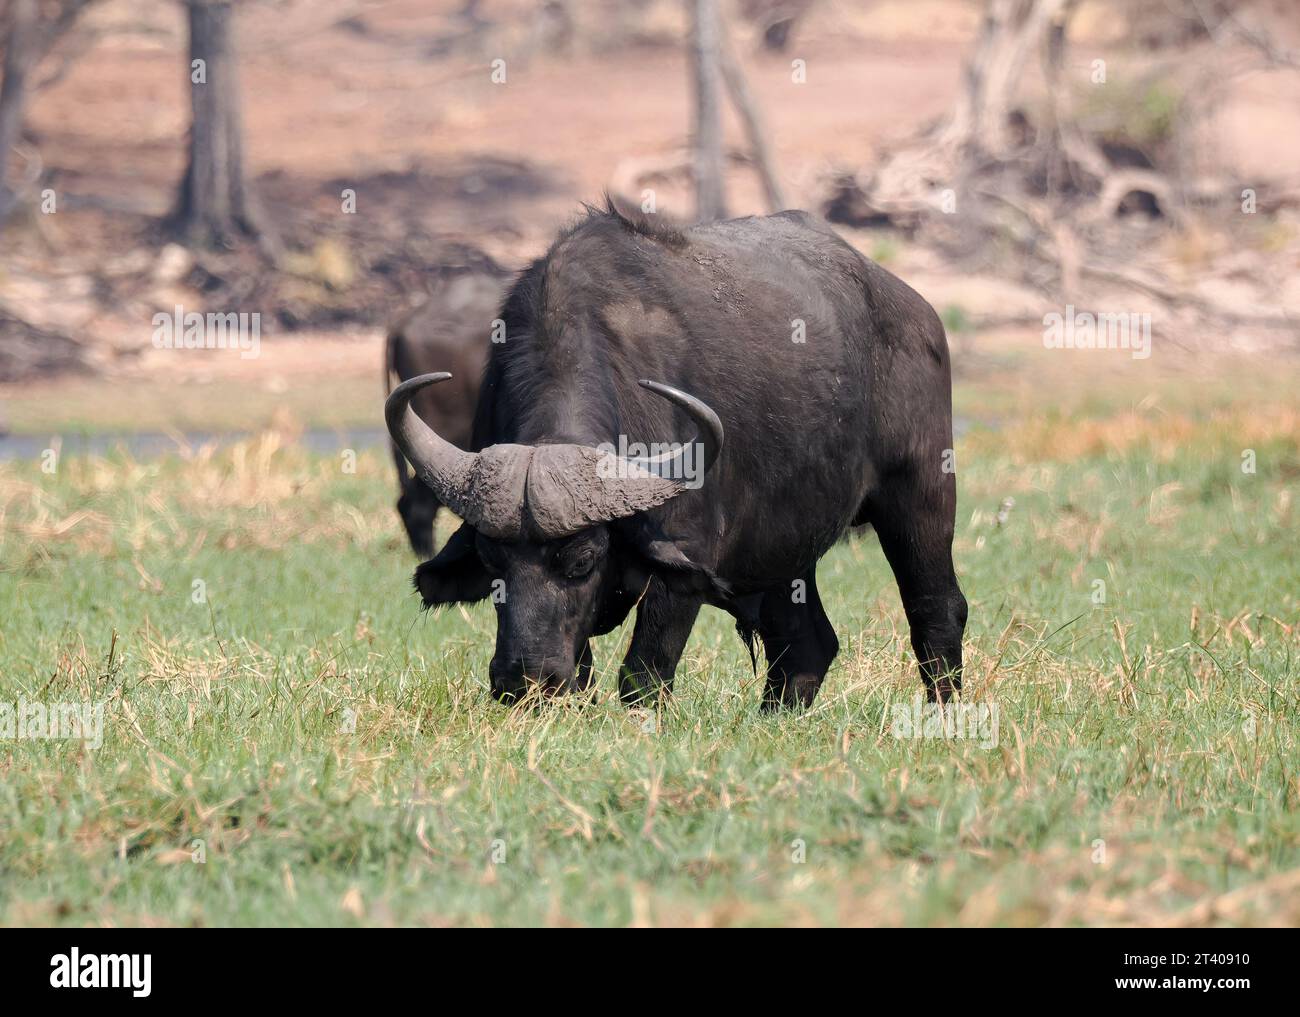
[(418, 507), (914, 520), (798, 641), (663, 624)]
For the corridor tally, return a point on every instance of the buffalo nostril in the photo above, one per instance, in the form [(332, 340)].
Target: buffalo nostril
[(548, 673), (502, 694), (512, 681)]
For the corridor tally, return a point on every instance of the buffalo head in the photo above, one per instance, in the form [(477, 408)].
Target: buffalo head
[(556, 534)]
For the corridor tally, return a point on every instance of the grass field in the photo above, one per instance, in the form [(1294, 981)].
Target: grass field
[(287, 740)]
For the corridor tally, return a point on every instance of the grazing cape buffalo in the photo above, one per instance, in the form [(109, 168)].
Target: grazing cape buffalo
[(449, 331), (831, 380)]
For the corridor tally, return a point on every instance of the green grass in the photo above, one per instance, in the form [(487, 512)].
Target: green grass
[(163, 404), (1161, 725)]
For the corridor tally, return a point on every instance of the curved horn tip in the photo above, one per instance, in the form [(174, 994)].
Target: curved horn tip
[(398, 399), (709, 426), (421, 381), (692, 404), (670, 392), (441, 465)]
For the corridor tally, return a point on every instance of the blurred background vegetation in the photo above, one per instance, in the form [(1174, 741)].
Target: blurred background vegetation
[(1006, 157)]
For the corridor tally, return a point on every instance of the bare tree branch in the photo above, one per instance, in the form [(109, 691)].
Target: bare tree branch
[(710, 202), (752, 121)]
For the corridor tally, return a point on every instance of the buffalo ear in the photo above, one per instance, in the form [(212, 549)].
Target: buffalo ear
[(670, 563), (455, 575)]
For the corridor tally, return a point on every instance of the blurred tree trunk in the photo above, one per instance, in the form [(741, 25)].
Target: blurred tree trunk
[(20, 51), (33, 30), (752, 121), (216, 204), (710, 202), (985, 125), (1011, 33)]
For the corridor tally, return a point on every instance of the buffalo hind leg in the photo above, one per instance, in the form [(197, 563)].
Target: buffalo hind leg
[(914, 521), (798, 641), (663, 624), (418, 507)]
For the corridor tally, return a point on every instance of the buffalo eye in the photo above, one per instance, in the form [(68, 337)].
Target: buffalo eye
[(579, 563), (576, 558)]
